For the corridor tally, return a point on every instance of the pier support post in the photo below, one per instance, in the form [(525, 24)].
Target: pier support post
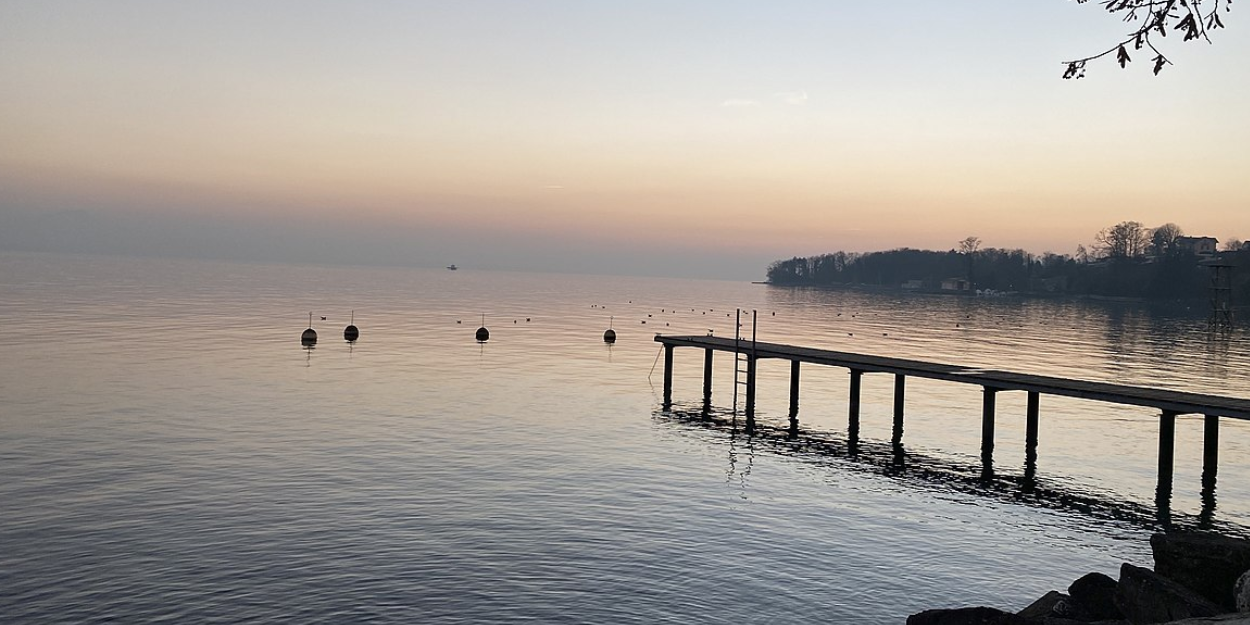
[(707, 375), (750, 407), (1030, 438), (1167, 449), (794, 388), (1210, 448), (668, 375), (900, 390), (988, 397), (1210, 464), (852, 428)]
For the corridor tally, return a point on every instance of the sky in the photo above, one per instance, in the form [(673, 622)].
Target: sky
[(683, 138)]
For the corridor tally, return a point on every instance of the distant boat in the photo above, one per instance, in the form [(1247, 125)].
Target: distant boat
[(452, 267)]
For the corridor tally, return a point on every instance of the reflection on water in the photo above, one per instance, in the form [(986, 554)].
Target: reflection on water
[(943, 473)]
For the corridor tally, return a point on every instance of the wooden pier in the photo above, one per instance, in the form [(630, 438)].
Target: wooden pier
[(1170, 404)]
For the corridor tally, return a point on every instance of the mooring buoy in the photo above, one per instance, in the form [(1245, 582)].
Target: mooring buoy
[(609, 335), (351, 332), (309, 337), (483, 334)]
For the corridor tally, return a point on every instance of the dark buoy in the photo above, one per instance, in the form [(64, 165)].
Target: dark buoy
[(351, 332), (309, 337), (609, 335), (483, 334)]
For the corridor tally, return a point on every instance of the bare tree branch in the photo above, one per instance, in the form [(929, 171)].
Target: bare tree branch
[(1153, 18)]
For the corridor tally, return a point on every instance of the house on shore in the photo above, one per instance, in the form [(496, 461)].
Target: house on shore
[(1199, 246)]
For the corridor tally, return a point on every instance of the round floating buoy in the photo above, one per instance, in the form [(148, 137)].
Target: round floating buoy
[(609, 336), (483, 334), (309, 337), (351, 332)]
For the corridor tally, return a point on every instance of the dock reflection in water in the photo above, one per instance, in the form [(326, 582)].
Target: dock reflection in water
[(932, 470)]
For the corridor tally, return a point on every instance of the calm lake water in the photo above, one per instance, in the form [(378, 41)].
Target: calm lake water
[(168, 451)]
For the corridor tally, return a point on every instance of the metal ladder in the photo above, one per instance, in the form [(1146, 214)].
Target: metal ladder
[(742, 357)]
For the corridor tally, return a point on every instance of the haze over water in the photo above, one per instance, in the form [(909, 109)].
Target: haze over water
[(169, 451)]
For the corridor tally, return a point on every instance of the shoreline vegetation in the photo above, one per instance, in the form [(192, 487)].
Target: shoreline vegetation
[(1128, 262)]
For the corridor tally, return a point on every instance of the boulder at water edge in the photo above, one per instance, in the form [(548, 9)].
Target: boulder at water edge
[(1045, 607), (1208, 564), (1241, 592), (1224, 619), (1144, 596), (1094, 594), (965, 616)]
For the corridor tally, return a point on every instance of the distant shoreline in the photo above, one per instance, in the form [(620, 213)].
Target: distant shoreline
[(1089, 297)]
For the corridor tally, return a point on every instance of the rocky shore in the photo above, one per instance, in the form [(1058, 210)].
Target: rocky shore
[(1197, 578)]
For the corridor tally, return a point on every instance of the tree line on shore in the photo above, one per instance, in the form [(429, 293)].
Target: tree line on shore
[(1126, 260)]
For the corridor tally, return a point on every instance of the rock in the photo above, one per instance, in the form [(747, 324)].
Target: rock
[(965, 616), (1055, 620), (1241, 593), (1223, 619), (1144, 596), (1043, 607), (1094, 594), (1208, 564)]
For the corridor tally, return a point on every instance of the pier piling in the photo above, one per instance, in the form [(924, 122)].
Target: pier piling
[(1210, 448), (900, 389), (1030, 427), (794, 388), (668, 375), (707, 375), (750, 407), (852, 428), (988, 396), (1167, 450), (1030, 437)]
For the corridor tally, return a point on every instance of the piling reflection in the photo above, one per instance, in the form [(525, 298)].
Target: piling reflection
[(1206, 517), (852, 439), (745, 446), (931, 471), (1163, 506), (1029, 483), (987, 468)]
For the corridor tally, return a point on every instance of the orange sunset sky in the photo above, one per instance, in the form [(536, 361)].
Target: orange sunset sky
[(692, 138)]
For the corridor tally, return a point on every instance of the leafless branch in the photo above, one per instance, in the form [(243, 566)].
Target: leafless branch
[(1154, 18)]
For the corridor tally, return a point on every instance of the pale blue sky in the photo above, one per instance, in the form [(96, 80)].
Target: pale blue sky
[(709, 137)]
